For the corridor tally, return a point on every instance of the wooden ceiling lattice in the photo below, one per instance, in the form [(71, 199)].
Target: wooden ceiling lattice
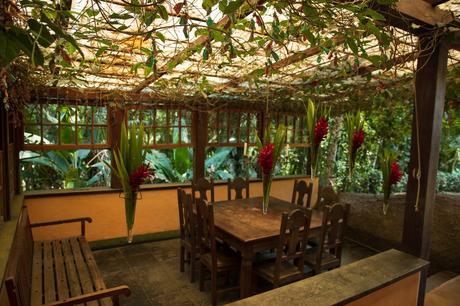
[(115, 57)]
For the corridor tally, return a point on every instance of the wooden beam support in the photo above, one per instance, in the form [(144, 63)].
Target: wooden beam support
[(5, 194), (200, 141), (414, 16), (292, 59), (430, 85)]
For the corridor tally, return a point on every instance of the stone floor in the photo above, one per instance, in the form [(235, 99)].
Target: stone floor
[(151, 270)]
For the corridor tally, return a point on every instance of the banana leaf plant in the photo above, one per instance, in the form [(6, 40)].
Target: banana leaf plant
[(269, 154), (130, 169)]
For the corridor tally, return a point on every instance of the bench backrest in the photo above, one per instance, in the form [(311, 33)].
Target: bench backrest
[(18, 275)]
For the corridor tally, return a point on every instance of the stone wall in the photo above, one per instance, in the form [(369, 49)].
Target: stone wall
[(369, 226)]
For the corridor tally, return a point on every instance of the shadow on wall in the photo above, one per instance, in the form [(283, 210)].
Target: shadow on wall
[(369, 226)]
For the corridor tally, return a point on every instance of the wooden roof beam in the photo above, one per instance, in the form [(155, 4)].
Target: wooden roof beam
[(292, 59), (194, 46), (414, 16)]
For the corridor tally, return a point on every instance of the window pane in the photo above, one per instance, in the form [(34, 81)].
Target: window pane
[(50, 134), (84, 135), (100, 135), (175, 134), (161, 136), (160, 119), (133, 117), (148, 117), (223, 135), (66, 113), (100, 114), (186, 117), (174, 117), (50, 113), (32, 113), (67, 134), (186, 137), (227, 163), (84, 115), (56, 169), (32, 134), (171, 165), (212, 135), (148, 136)]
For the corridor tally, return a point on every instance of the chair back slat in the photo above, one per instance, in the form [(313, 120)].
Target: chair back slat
[(293, 238), (332, 230), (201, 186), (190, 226), (302, 189), (206, 233), (18, 274), (180, 203), (238, 185)]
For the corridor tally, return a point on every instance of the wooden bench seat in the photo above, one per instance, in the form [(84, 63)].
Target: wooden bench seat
[(55, 272)]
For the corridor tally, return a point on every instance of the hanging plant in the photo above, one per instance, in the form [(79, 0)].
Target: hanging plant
[(354, 124), (131, 170), (391, 173), (269, 154), (317, 127)]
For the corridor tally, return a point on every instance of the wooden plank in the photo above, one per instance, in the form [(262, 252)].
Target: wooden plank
[(37, 275), (82, 270), (93, 269), (72, 276), (48, 273), (61, 278), (199, 140)]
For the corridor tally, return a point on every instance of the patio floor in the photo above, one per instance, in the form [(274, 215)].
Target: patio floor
[(151, 270)]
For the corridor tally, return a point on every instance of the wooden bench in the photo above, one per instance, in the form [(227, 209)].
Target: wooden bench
[(55, 272)]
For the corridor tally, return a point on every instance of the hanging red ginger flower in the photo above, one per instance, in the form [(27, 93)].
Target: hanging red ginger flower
[(395, 174), (138, 176), (358, 139), (321, 129), (265, 159)]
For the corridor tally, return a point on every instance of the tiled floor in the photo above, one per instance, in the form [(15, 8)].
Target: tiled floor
[(151, 270)]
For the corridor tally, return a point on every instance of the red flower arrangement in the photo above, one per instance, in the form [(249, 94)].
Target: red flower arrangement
[(138, 176), (265, 159), (321, 129), (395, 173), (358, 139)]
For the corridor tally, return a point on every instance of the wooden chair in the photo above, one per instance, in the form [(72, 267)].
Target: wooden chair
[(301, 189), (188, 232), (327, 197), (201, 186), (328, 253), (289, 264), (211, 258), (239, 184)]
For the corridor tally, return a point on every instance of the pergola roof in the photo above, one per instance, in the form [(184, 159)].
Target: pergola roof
[(118, 56)]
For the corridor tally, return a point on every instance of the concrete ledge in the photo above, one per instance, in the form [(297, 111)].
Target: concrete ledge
[(343, 285)]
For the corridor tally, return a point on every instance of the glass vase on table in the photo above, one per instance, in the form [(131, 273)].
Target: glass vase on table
[(266, 183)]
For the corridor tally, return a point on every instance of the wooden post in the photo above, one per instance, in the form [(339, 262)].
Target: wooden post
[(199, 140), (116, 117), (5, 195), (430, 85)]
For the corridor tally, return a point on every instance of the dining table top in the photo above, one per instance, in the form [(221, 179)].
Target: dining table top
[(244, 220)]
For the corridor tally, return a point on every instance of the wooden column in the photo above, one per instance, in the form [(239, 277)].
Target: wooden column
[(5, 211), (116, 117), (430, 82), (199, 140)]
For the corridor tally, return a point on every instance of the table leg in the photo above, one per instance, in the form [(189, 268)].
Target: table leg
[(246, 275)]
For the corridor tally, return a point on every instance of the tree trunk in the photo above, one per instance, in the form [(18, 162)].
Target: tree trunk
[(332, 150)]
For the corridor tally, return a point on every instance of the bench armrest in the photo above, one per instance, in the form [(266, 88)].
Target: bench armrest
[(113, 293), (73, 220)]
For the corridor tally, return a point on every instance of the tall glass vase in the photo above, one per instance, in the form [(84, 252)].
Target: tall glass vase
[(267, 184), (130, 212)]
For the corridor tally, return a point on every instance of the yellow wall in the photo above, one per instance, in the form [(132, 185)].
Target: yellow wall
[(156, 212)]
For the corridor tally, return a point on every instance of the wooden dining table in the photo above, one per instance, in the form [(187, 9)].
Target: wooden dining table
[(241, 224)]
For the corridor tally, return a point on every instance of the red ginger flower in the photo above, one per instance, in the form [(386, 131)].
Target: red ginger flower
[(265, 159), (395, 174), (358, 139), (321, 129), (138, 176)]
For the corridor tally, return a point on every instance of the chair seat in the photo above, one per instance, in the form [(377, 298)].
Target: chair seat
[(328, 260), (225, 261), (265, 257), (288, 271)]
